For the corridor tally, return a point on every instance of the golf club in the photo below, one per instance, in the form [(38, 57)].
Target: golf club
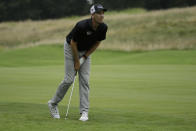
[(70, 96)]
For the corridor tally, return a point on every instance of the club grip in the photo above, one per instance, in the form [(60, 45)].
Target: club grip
[(76, 73)]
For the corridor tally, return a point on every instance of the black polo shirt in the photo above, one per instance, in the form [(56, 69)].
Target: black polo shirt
[(85, 36)]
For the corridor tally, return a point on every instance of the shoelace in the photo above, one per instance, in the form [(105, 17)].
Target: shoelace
[(55, 110), (84, 114)]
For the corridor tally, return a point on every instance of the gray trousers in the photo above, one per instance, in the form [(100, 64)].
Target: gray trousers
[(84, 73)]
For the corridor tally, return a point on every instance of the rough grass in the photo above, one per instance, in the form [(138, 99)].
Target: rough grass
[(133, 29)]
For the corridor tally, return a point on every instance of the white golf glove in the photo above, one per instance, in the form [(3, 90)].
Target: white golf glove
[(82, 59)]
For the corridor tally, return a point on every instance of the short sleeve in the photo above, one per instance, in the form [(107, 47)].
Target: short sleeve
[(76, 32), (102, 35)]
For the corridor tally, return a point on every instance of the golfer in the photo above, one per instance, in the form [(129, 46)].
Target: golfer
[(80, 43)]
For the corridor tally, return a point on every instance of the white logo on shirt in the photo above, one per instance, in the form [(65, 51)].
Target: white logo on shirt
[(88, 32)]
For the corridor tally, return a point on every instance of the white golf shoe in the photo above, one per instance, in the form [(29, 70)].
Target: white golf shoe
[(84, 116), (53, 110)]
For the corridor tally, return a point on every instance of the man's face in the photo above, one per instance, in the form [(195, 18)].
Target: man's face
[(98, 17)]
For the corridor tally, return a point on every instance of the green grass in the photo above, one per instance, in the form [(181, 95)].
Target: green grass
[(46, 55), (138, 91), (135, 90)]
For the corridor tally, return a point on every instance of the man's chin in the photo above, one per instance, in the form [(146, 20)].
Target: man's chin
[(100, 22)]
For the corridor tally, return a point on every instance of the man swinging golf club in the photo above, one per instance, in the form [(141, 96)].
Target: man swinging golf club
[(80, 43)]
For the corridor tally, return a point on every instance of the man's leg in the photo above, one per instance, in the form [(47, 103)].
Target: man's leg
[(69, 75), (84, 74), (65, 84)]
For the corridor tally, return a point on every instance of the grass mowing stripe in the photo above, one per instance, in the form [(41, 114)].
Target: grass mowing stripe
[(122, 97), (53, 55)]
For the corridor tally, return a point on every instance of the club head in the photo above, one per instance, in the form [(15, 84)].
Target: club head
[(66, 118)]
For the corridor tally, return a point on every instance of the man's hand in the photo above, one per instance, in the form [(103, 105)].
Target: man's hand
[(77, 65), (82, 59)]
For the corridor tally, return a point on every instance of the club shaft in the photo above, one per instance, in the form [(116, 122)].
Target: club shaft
[(70, 97)]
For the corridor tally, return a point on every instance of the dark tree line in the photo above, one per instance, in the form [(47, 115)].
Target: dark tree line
[(40, 9), (44, 9), (147, 4)]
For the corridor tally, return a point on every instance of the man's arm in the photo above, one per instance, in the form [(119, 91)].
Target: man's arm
[(88, 52), (75, 55), (92, 49)]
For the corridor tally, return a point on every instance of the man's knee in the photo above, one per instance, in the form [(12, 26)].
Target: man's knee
[(68, 80), (85, 77)]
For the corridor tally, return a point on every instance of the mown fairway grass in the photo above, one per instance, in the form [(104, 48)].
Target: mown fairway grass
[(138, 91)]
